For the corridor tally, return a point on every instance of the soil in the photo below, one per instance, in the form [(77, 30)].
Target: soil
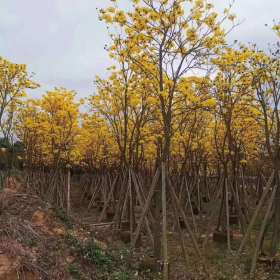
[(38, 241)]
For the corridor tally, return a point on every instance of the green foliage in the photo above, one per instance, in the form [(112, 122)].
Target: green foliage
[(113, 266), (122, 275), (75, 272), (94, 255), (88, 251), (65, 219), (30, 242), (73, 242), (46, 262)]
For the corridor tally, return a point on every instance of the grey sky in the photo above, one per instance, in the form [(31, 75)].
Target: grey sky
[(62, 41)]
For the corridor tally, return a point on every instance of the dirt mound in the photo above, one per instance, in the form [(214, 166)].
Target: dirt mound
[(11, 184), (8, 267), (30, 235), (40, 242), (44, 221)]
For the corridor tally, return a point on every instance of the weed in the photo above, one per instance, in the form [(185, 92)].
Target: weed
[(72, 241), (46, 262), (30, 242), (75, 272), (89, 251), (122, 275), (62, 215), (93, 254)]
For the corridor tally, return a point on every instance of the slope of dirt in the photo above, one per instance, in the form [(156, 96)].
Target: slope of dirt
[(38, 241)]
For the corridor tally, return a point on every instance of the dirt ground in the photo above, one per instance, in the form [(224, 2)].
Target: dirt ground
[(38, 241)]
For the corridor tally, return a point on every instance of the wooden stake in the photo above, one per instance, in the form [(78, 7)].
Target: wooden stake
[(238, 208), (137, 188), (189, 201), (182, 213), (253, 220), (146, 209), (131, 208), (164, 222), (101, 217), (227, 215), (68, 190), (260, 237), (97, 189), (181, 235)]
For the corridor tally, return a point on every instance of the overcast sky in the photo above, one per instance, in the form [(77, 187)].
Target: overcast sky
[(62, 41)]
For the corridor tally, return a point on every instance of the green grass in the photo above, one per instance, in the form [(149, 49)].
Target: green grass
[(65, 219), (75, 272)]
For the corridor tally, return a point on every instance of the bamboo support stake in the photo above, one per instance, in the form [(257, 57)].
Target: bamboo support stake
[(239, 211), (146, 208), (276, 218), (101, 217), (131, 210), (192, 214), (212, 213), (124, 207), (182, 213), (260, 237), (198, 195), (97, 189), (68, 190), (227, 216), (137, 188), (181, 235), (253, 220), (164, 222), (119, 205)]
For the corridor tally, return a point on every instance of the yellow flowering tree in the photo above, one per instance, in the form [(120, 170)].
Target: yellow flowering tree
[(166, 43), (123, 100), (14, 80), (49, 128)]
